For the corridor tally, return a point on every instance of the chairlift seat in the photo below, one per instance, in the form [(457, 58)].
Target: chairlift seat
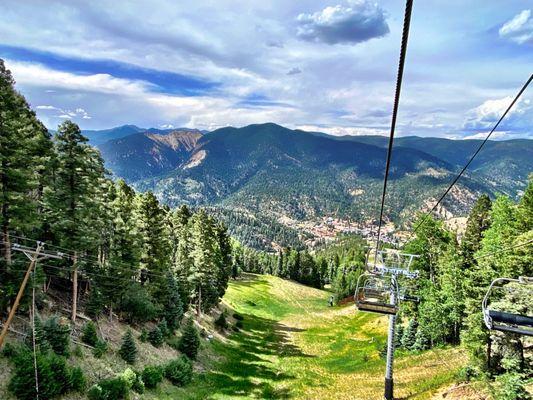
[(509, 318), (506, 321), (509, 322), (380, 308)]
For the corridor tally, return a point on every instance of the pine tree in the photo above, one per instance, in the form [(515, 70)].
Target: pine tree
[(155, 337), (25, 151), (421, 340), (153, 235), (409, 335), (123, 252), (173, 310), (398, 335), (89, 335), (190, 341), (128, 349), (181, 250), (203, 274), (73, 202)]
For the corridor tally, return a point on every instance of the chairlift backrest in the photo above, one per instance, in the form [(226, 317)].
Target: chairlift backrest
[(373, 294)]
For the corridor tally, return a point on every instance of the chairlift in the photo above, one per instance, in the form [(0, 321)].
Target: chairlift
[(505, 321), (373, 294)]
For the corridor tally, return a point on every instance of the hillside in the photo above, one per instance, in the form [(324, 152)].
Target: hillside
[(285, 174), (291, 345)]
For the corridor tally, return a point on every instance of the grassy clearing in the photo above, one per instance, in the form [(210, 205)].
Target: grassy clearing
[(294, 346)]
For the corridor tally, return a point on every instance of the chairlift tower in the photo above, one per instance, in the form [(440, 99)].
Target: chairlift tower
[(378, 291)]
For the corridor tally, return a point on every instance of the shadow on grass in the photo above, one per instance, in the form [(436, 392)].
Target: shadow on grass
[(249, 367)]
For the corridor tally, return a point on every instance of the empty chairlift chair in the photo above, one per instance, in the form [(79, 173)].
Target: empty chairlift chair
[(373, 294), (497, 318)]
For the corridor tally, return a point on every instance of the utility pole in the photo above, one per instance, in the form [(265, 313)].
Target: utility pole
[(387, 264), (389, 380), (34, 256)]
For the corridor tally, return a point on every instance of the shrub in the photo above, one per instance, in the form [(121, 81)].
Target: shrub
[(163, 327), (421, 340), (55, 377), (107, 389), (190, 341), (221, 323), (511, 386), (57, 334), (137, 305), (77, 352), (89, 335), (155, 337), (409, 335), (238, 317), (10, 350), (77, 380), (128, 350), (143, 337), (95, 304), (138, 385), (179, 371), (152, 376), (129, 377), (239, 324), (100, 348), (466, 374)]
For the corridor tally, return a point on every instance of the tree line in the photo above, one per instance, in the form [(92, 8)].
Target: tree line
[(55, 188), (337, 264), (455, 275)]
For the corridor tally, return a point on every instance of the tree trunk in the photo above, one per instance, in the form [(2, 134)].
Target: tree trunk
[(75, 288)]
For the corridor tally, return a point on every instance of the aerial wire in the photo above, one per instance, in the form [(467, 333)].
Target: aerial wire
[(399, 79), (424, 218)]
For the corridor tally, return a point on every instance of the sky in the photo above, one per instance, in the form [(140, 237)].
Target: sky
[(325, 66)]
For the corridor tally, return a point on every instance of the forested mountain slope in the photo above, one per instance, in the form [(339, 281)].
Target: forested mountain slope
[(280, 171)]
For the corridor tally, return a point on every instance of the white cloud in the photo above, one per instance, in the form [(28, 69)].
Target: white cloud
[(360, 21), (486, 115), (38, 75), (344, 130), (483, 135), (519, 29), (45, 107)]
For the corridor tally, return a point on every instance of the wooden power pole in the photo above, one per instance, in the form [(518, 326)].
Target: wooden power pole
[(34, 255)]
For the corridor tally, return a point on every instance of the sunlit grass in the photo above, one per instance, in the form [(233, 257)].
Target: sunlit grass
[(293, 345)]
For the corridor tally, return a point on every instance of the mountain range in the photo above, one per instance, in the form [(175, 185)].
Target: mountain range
[(278, 173)]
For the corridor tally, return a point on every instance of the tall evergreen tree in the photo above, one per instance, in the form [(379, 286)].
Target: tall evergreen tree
[(202, 278), (153, 237), (72, 202), (25, 149)]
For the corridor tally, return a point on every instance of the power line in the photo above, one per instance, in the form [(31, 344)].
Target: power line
[(473, 155), (85, 257), (401, 64), (504, 249)]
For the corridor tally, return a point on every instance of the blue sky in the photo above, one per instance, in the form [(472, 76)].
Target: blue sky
[(316, 65)]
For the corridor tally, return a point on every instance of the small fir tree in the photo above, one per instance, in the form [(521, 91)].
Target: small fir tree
[(190, 341), (128, 350), (155, 337), (409, 335), (89, 335)]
